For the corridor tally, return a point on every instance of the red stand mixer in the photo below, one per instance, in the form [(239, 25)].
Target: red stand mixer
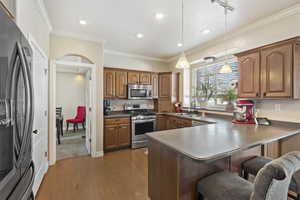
[(244, 112)]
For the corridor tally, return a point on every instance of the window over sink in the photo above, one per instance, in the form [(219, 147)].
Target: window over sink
[(209, 88)]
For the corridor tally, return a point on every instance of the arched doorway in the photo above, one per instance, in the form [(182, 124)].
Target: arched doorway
[(72, 63)]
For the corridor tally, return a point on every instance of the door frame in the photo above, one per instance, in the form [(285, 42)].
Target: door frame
[(33, 43), (52, 106)]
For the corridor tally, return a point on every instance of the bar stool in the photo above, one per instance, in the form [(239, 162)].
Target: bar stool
[(271, 183), (253, 165)]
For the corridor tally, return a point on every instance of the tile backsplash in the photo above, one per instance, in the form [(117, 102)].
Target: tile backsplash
[(118, 104), (281, 109)]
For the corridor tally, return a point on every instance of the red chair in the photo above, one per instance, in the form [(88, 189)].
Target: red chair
[(80, 118)]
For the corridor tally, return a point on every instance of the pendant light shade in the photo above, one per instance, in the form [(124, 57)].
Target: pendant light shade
[(183, 63), (226, 69)]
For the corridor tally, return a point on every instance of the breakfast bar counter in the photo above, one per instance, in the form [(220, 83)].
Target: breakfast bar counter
[(179, 158)]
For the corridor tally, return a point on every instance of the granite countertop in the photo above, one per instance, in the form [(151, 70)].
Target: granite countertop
[(220, 138)]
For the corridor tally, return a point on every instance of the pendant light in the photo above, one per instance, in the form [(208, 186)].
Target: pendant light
[(226, 68), (182, 63)]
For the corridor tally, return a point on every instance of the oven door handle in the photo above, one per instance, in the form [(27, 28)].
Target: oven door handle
[(144, 121)]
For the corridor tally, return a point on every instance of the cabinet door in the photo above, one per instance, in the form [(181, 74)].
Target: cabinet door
[(145, 78), (277, 71), (121, 84), (165, 106), (165, 86), (109, 83), (154, 82), (133, 77), (110, 137), (249, 82), (161, 123), (124, 135)]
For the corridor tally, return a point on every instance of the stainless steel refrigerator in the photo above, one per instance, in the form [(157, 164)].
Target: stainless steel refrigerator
[(16, 113)]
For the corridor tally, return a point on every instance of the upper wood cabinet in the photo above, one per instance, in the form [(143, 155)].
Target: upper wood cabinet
[(121, 84), (145, 78), (249, 82), (154, 82), (109, 83), (276, 71), (133, 77), (271, 71), (165, 85)]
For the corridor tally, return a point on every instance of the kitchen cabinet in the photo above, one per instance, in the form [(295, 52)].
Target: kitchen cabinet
[(109, 83), (276, 71), (165, 106), (271, 71), (121, 84), (161, 123), (177, 122), (272, 150), (133, 77), (165, 85), (154, 82), (249, 81), (145, 78), (168, 91), (110, 137), (116, 133), (9, 7)]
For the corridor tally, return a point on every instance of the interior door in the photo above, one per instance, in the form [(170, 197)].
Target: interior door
[(88, 121), (40, 123)]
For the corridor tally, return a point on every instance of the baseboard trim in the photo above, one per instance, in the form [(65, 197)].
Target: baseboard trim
[(97, 154)]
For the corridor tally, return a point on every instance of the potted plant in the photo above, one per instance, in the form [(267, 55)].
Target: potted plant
[(230, 96)]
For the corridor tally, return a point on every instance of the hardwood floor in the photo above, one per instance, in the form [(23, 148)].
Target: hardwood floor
[(117, 175)]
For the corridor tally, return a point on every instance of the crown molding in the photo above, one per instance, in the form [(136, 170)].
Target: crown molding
[(44, 14), (257, 24), (252, 26), (118, 53), (85, 37)]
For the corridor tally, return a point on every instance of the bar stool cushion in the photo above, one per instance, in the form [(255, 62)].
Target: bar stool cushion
[(225, 186), (253, 165)]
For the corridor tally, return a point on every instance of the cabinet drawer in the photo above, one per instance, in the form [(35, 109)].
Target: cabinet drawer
[(117, 121)]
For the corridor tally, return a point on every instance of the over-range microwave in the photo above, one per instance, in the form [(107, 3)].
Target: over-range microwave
[(139, 91)]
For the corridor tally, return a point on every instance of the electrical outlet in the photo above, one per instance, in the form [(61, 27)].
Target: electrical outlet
[(277, 107)]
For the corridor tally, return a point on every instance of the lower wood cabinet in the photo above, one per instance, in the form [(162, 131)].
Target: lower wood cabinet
[(116, 133), (168, 123), (161, 123)]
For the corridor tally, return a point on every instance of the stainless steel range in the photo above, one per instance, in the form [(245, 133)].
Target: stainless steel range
[(142, 121)]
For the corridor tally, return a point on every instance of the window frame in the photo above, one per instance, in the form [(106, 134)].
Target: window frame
[(231, 60)]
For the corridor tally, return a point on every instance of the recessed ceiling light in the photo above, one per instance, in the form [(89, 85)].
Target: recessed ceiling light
[(159, 16), (206, 31), (139, 35), (179, 44), (82, 22)]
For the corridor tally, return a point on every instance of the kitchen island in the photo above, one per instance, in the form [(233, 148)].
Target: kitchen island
[(179, 158)]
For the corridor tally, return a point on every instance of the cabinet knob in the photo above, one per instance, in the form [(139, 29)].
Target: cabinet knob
[(257, 94), (265, 94)]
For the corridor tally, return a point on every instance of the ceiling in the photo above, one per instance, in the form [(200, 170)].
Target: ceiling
[(118, 21)]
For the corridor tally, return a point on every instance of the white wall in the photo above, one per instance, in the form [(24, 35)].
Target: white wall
[(278, 27), (30, 20), (120, 61), (70, 93)]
